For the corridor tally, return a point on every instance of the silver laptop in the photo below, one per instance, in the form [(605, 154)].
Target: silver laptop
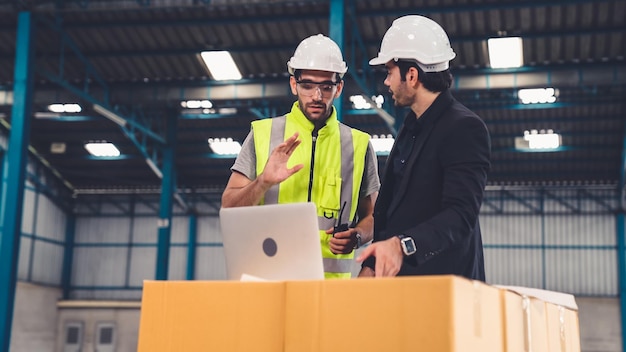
[(272, 242)]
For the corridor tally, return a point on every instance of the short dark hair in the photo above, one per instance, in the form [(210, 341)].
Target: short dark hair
[(298, 73), (433, 81)]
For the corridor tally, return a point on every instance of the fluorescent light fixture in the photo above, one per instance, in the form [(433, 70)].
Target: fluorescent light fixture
[(65, 108), (359, 102), (109, 115), (47, 115), (541, 140), (224, 146), (57, 147), (537, 95), (227, 111), (382, 144), (505, 52), (102, 149), (379, 100), (196, 104), (221, 65)]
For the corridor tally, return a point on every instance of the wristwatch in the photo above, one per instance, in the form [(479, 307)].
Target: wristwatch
[(407, 244), (358, 241)]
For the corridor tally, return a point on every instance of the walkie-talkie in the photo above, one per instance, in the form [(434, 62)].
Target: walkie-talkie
[(340, 227)]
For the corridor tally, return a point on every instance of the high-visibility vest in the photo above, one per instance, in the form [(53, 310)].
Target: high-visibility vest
[(333, 161)]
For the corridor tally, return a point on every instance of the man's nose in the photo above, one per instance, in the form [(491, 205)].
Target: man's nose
[(317, 92)]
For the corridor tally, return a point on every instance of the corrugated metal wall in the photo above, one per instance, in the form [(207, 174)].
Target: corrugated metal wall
[(42, 240), (114, 254), (561, 239)]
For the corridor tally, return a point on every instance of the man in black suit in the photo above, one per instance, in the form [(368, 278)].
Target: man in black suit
[(426, 215)]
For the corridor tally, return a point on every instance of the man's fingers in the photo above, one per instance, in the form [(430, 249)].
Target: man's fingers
[(344, 235), (378, 268), (291, 143), (295, 169), (368, 251), (340, 245), (292, 146)]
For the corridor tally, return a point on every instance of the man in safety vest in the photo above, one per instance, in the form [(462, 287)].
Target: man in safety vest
[(307, 155)]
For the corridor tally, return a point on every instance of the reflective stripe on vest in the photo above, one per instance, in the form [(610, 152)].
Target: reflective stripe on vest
[(277, 133), (337, 178)]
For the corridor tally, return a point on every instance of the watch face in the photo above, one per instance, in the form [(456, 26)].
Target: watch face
[(408, 245)]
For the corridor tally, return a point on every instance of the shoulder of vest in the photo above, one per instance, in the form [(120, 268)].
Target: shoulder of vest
[(265, 122), (355, 132)]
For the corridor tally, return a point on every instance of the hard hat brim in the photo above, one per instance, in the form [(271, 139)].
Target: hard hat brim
[(379, 60)]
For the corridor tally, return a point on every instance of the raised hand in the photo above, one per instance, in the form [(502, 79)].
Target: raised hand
[(276, 170)]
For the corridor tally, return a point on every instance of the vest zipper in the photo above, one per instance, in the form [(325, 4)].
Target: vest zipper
[(314, 137)]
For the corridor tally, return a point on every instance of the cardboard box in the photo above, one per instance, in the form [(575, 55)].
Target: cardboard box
[(212, 316), (434, 313), (430, 313), (539, 320), (525, 323), (563, 328)]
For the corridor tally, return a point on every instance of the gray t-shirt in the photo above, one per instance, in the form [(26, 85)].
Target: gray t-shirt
[(246, 165)]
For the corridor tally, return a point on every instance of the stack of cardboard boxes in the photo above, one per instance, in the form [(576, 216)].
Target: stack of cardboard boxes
[(547, 320), (433, 313)]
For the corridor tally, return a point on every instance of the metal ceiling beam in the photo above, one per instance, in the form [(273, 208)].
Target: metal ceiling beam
[(366, 79), (136, 132), (298, 17), (289, 46), (580, 75), (574, 74)]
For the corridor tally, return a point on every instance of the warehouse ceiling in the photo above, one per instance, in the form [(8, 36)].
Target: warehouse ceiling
[(141, 59)]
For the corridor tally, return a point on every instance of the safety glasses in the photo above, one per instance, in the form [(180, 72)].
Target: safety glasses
[(310, 88)]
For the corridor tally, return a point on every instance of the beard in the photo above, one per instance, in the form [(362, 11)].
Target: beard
[(400, 96), (316, 112)]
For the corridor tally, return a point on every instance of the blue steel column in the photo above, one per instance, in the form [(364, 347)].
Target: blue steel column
[(621, 248), (621, 243), (336, 30), (14, 170), (191, 246), (165, 208), (68, 255)]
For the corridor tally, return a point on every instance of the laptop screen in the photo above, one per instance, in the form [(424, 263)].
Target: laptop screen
[(272, 242)]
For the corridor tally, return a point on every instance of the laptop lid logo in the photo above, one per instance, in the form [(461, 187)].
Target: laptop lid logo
[(270, 247)]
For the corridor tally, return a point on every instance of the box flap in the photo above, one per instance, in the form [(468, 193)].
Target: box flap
[(559, 298)]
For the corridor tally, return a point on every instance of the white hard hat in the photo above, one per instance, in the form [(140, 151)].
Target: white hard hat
[(418, 38), (317, 52)]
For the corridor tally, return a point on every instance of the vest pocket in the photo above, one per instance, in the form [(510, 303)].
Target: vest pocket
[(331, 195)]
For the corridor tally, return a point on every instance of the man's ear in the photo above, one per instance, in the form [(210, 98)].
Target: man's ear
[(339, 89), (292, 84), (412, 76)]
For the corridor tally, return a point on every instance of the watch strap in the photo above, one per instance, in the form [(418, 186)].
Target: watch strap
[(359, 240)]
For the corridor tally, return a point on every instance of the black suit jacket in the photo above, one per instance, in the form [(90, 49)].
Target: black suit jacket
[(438, 197)]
